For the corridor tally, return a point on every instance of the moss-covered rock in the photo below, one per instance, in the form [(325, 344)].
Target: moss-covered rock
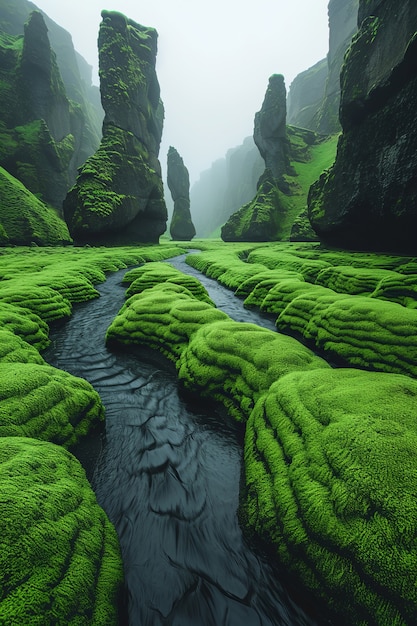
[(59, 558), (163, 318), (25, 324), (43, 402), (118, 196), (235, 363), (330, 483)]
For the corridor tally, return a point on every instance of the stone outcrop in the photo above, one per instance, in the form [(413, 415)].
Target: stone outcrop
[(118, 195), (182, 227), (368, 198), (314, 95)]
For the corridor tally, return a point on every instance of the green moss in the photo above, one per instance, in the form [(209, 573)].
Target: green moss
[(331, 485), (24, 218), (13, 349), (24, 324), (163, 318), (59, 558), (235, 363), (42, 402)]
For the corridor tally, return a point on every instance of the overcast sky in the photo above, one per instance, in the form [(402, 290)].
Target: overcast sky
[(214, 60)]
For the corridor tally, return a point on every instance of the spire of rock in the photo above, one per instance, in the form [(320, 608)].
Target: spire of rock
[(118, 196), (182, 227)]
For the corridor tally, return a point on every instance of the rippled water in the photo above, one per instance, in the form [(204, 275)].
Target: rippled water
[(168, 477)]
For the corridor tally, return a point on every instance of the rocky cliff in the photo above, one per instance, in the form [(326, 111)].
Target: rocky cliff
[(368, 198), (50, 119), (118, 195), (314, 95), (182, 227)]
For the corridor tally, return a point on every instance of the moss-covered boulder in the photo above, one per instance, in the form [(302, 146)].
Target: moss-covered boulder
[(43, 402), (118, 196), (59, 558), (367, 199), (235, 363), (162, 318), (330, 484), (182, 227)]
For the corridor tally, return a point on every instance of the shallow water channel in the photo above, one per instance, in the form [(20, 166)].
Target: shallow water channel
[(167, 474)]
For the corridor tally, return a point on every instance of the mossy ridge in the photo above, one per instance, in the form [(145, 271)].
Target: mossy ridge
[(153, 274), (373, 282), (247, 287), (235, 362), (43, 402), (49, 514), (331, 484), (309, 268), (163, 317), (44, 301), (13, 349), (364, 332)]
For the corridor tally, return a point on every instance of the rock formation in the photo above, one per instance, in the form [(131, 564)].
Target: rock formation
[(118, 195), (314, 95), (368, 198), (182, 227), (259, 220), (49, 125)]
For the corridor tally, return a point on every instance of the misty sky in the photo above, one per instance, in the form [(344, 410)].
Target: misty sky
[(214, 60)]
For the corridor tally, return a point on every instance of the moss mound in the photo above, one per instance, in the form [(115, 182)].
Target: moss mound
[(43, 402), (163, 318), (13, 349), (59, 556), (331, 484), (235, 362), (44, 301), (153, 274)]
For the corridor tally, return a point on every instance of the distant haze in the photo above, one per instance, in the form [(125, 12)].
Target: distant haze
[(214, 60)]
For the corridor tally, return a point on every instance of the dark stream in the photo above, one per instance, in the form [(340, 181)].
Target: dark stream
[(167, 474)]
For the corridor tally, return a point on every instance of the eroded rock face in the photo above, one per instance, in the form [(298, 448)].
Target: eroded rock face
[(368, 198), (118, 195), (182, 227)]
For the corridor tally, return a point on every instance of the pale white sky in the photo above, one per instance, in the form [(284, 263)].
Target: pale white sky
[(214, 60)]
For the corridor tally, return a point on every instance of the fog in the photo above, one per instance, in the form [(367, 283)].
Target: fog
[(214, 61)]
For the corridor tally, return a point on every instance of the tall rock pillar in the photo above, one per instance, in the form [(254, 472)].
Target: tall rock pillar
[(182, 227), (118, 196)]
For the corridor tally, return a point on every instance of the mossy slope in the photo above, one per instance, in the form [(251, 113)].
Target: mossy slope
[(59, 558)]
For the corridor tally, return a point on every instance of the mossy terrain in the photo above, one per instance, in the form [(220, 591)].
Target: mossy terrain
[(59, 558), (24, 218), (330, 463)]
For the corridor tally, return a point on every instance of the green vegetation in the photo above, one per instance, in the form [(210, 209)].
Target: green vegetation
[(59, 558), (42, 402), (331, 472), (24, 218)]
